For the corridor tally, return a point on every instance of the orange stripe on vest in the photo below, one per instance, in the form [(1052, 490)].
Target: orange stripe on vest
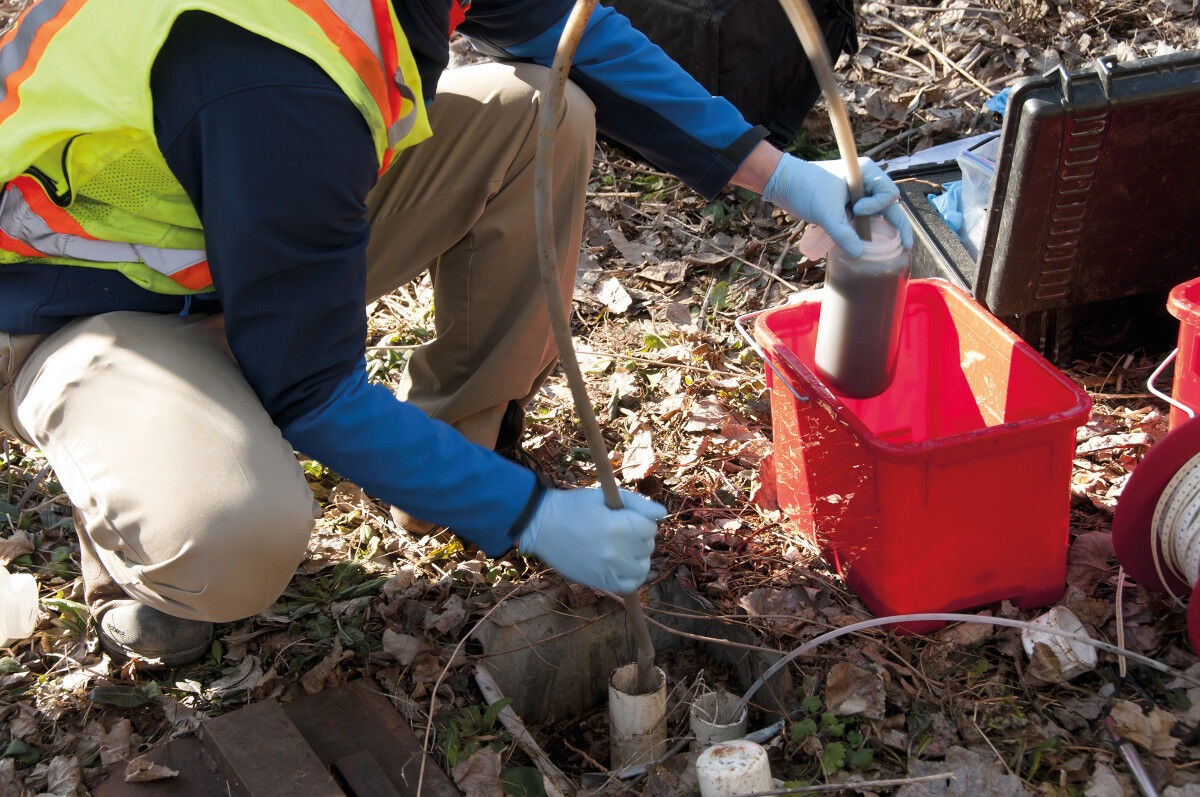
[(55, 217), (352, 48), (194, 277), (38, 46), (391, 64), (21, 248)]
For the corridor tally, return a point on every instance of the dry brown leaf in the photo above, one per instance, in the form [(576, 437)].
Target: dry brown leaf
[(678, 314), (8, 777), (400, 647), (183, 719), (315, 679), (247, 676), (668, 272), (853, 690), (623, 385), (115, 744), (765, 493), (977, 774), (1105, 783), (709, 259), (706, 415), (614, 296), (1107, 442), (479, 775), (25, 724), (965, 634), (143, 770), (63, 776), (18, 544), (635, 254), (1151, 732), (1088, 560), (640, 458), (451, 618), (944, 737)]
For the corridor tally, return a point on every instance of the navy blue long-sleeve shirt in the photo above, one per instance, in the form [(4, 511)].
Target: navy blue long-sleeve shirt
[(278, 163)]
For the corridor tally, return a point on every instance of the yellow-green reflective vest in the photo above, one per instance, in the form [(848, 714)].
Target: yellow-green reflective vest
[(84, 180)]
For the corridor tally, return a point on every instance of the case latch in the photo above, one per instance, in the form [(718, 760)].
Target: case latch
[(1104, 67)]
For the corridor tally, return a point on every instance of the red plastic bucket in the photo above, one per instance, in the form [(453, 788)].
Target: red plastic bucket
[(951, 489), (1184, 303)]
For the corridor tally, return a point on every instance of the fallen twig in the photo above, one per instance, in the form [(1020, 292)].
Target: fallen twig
[(934, 51), (855, 784), (441, 677), (553, 779)]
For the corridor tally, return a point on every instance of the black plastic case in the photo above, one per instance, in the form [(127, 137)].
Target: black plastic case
[(1097, 198)]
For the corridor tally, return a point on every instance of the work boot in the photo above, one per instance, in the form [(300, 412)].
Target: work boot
[(508, 440), (127, 628), (412, 524)]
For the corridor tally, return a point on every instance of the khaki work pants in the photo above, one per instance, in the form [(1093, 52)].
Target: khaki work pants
[(191, 497)]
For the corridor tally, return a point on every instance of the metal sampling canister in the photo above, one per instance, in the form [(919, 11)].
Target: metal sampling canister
[(862, 306)]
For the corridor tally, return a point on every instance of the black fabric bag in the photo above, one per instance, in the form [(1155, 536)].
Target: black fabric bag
[(746, 51)]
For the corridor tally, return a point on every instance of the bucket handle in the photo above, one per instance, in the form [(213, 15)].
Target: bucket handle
[(738, 322), (1155, 391)]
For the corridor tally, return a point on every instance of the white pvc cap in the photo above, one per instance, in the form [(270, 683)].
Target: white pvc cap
[(733, 768)]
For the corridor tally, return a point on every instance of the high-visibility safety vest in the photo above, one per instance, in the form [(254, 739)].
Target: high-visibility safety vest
[(84, 181)]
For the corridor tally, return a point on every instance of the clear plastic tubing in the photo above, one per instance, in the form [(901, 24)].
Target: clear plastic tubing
[(950, 617), (858, 335)]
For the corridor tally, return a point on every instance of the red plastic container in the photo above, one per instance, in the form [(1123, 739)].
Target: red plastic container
[(1184, 303), (951, 489)]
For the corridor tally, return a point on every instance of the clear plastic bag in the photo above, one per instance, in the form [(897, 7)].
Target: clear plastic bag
[(978, 167)]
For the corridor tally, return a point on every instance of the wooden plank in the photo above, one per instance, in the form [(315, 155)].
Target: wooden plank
[(357, 717), (197, 774), (364, 777), (262, 754)]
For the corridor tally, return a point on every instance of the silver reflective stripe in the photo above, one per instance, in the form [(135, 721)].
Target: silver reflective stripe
[(15, 53), (404, 125), (169, 261), (360, 18), (19, 221)]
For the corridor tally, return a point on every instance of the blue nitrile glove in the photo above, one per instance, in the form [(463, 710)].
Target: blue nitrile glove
[(817, 192), (949, 204), (576, 534)]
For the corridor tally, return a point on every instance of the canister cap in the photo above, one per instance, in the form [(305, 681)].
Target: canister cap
[(885, 241), (884, 244)]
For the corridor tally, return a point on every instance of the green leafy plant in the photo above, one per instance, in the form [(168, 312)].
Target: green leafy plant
[(127, 695), (470, 730), (72, 617), (837, 742), (1035, 759), (25, 754), (522, 782)]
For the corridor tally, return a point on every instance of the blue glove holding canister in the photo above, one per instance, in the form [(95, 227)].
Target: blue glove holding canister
[(816, 191), (576, 534)]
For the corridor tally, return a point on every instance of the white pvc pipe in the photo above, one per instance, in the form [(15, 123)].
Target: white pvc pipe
[(717, 717), (637, 721)]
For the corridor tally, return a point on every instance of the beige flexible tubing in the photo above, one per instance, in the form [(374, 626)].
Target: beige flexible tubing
[(543, 213), (800, 14)]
